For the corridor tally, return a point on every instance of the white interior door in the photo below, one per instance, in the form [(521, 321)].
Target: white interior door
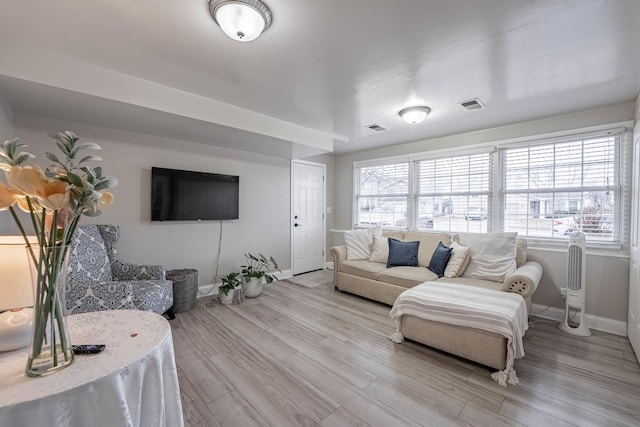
[(308, 222), (633, 321)]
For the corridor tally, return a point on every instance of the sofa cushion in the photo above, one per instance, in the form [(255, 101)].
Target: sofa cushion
[(428, 244), (380, 249), (402, 253), (439, 260), (362, 268), (395, 234), (406, 276), (493, 255), (459, 260), (359, 242)]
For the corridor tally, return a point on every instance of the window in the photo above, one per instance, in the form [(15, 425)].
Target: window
[(543, 189), (554, 187), (453, 193), (381, 194)]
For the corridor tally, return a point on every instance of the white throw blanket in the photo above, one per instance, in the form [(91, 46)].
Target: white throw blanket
[(500, 312)]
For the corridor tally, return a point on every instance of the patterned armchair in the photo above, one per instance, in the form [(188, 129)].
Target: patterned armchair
[(98, 280)]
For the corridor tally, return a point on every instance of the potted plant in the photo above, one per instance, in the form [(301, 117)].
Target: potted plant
[(256, 272), (229, 283)]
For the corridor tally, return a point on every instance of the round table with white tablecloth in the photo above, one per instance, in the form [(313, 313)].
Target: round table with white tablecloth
[(133, 382)]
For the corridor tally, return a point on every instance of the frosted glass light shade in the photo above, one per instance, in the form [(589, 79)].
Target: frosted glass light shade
[(414, 115), (242, 20), (16, 289)]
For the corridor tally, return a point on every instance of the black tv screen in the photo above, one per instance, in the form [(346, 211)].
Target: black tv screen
[(178, 195)]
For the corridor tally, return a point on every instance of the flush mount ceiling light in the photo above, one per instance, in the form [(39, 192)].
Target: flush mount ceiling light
[(414, 115), (242, 20)]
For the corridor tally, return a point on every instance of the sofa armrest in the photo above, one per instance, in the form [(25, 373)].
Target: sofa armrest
[(128, 271), (524, 280), (337, 254)]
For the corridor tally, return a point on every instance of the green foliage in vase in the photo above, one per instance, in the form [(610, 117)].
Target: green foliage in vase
[(55, 199), (229, 282), (259, 266)]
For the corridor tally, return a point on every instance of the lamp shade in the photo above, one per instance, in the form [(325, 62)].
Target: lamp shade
[(242, 20), (16, 290), (414, 115)]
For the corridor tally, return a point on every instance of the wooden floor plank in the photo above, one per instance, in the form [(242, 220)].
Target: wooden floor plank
[(299, 356), (480, 417), (529, 416), (412, 405), (232, 409), (354, 399), (343, 418)]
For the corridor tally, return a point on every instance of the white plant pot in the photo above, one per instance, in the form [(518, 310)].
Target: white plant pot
[(227, 298), (253, 287)]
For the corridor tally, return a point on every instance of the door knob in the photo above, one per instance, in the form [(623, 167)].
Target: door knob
[(297, 225)]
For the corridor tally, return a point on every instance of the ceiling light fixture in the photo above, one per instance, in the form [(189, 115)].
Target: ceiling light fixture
[(414, 115), (242, 20)]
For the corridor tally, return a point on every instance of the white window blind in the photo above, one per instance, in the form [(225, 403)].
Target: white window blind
[(553, 187), (453, 193), (381, 194)]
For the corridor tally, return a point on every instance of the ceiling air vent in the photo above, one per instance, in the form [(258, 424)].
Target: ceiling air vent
[(376, 127), (472, 104)]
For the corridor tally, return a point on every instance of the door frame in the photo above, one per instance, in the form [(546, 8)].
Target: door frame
[(633, 323), (324, 210)]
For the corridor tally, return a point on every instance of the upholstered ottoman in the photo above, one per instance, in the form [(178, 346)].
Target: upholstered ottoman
[(482, 325)]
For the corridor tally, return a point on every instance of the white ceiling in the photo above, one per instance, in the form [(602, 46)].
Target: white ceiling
[(323, 71)]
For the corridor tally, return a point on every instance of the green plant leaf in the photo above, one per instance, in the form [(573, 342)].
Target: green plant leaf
[(75, 179), (52, 157), (108, 182), (90, 158), (21, 158), (84, 146)]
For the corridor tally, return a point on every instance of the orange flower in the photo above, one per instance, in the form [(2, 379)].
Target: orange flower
[(22, 203), (54, 195), (7, 198), (27, 179), (105, 200)]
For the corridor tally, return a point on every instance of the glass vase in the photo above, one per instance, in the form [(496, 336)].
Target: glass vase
[(50, 349)]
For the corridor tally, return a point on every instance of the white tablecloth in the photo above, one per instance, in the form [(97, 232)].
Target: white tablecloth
[(133, 382)]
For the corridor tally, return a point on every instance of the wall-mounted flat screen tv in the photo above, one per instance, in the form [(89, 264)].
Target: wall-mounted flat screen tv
[(178, 195)]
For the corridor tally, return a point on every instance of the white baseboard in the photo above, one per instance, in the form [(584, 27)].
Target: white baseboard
[(329, 265), (212, 288), (603, 324)]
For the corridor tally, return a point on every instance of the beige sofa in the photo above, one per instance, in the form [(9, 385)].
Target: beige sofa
[(375, 281)]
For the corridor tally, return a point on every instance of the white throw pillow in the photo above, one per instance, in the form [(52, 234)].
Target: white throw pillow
[(458, 261), (380, 249), (359, 242), (493, 255)]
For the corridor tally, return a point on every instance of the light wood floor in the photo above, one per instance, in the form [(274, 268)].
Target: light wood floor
[(299, 356)]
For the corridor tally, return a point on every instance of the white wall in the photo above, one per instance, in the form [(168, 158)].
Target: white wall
[(264, 198), (6, 132), (607, 275), (6, 120)]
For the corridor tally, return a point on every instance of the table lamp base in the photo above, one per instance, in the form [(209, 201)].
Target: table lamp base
[(15, 328)]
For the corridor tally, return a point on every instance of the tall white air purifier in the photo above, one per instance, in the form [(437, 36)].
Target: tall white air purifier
[(574, 321)]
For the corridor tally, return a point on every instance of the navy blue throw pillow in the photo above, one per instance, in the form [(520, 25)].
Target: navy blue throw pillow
[(402, 253), (439, 259)]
